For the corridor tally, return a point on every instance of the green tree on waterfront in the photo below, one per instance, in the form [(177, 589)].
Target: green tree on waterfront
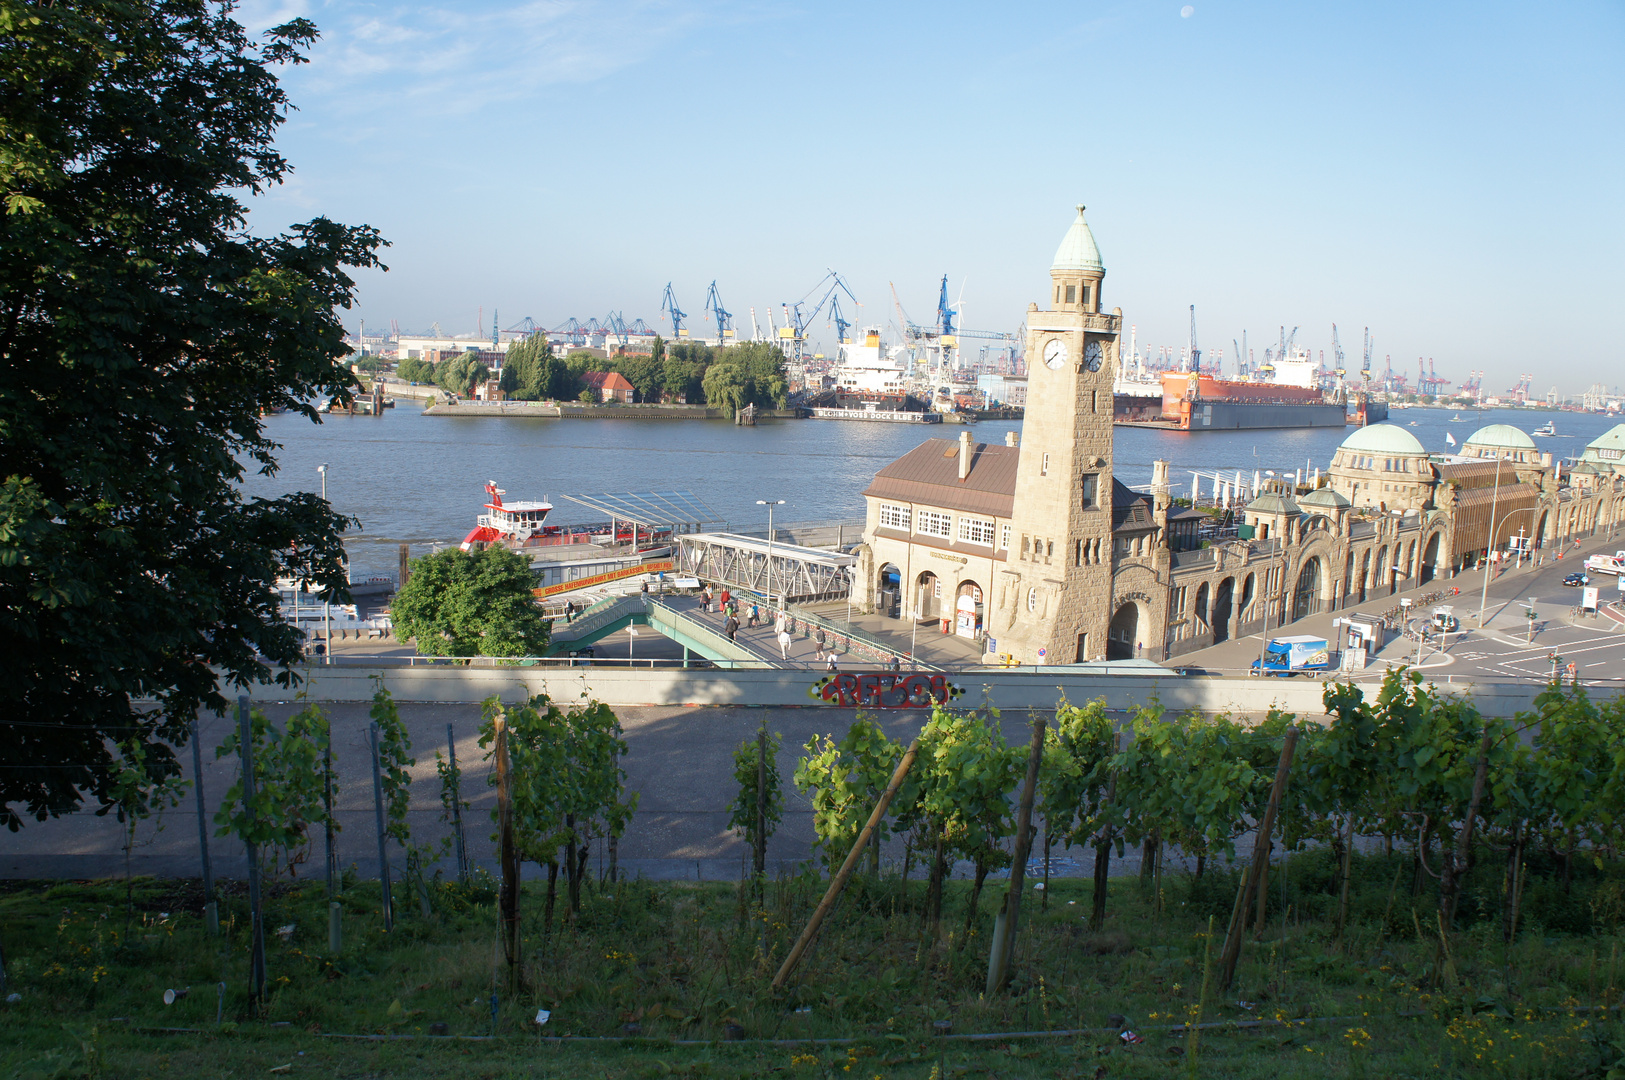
[(471, 603), (415, 371), (524, 369), (749, 374), (461, 373), (146, 332)]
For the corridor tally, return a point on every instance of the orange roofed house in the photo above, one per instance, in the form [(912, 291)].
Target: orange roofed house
[(607, 385)]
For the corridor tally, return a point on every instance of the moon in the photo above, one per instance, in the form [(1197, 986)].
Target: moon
[(1186, 12)]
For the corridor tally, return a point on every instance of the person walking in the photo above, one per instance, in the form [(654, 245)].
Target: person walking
[(829, 662), (755, 616), (645, 589), (784, 643), (705, 600), (569, 612), (896, 662), (726, 596), (731, 625)]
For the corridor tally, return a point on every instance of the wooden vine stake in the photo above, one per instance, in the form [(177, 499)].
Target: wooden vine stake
[(508, 855), (1261, 854), (845, 873), (1004, 938), (256, 963)]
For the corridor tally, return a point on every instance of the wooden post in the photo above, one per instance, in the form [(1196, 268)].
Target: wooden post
[(760, 866), (508, 855), (327, 805), (839, 881), (1004, 944), (256, 966), (211, 910), (383, 840), (1261, 852), (457, 807)]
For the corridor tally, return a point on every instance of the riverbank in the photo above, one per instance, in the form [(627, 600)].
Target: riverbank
[(558, 410)]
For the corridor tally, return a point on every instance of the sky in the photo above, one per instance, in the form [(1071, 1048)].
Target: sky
[(1447, 174)]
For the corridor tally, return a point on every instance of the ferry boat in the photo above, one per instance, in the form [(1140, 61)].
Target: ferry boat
[(519, 526), (1545, 432)]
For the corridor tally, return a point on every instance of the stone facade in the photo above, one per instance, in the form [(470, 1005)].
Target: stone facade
[(1040, 552)]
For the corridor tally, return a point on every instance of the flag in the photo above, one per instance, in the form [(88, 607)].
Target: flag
[(1449, 438)]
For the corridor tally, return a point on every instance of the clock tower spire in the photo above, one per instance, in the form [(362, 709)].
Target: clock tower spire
[(1054, 596)]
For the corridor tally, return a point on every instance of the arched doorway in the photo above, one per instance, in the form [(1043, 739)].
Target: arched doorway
[(1430, 560), (1306, 597), (1201, 606), (1540, 530), (1245, 607), (889, 591), (1365, 574), (928, 596), (1348, 578), (1223, 602), (968, 610), (1379, 571), (1123, 633)]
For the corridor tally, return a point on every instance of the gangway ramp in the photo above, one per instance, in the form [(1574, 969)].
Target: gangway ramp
[(783, 571), (615, 614)]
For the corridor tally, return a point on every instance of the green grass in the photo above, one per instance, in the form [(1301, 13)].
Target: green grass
[(676, 960)]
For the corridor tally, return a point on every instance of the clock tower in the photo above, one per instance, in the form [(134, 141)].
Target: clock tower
[(1054, 594)]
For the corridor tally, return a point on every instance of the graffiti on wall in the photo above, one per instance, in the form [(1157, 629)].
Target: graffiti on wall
[(882, 691)]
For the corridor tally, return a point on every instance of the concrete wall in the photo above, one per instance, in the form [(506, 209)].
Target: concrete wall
[(779, 687)]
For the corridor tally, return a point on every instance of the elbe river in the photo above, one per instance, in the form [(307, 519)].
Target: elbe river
[(411, 478)]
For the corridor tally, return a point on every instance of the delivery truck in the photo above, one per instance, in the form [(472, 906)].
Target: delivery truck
[(1290, 655)]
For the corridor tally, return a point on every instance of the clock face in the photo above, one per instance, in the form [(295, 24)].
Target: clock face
[(1092, 356), (1055, 353)]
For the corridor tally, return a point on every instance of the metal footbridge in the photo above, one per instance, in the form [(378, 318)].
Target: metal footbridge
[(786, 572), (616, 613)]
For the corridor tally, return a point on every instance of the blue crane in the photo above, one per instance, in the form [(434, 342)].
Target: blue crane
[(1337, 351), (835, 283), (945, 314), (713, 304), (1196, 354), (669, 306)]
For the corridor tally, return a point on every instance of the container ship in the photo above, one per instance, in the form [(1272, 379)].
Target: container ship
[(1287, 394)]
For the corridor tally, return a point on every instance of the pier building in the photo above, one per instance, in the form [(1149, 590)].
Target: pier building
[(1035, 548)]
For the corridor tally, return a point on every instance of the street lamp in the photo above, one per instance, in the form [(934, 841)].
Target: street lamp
[(770, 505), (327, 607), (1483, 595)]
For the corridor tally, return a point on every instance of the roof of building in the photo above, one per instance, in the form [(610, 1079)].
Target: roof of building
[(1612, 439), (1325, 499), (1475, 473), (1130, 509), (605, 380), (1501, 435), (1078, 250), (1383, 439), (1271, 503), (929, 474)]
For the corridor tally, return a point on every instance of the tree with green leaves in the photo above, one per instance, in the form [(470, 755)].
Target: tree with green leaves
[(1076, 788), (844, 780), (524, 368), (461, 373), (145, 331), (414, 370), (471, 603), (757, 809)]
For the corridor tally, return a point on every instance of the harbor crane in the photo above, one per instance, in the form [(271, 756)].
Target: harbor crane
[(1365, 364), (524, 328), (668, 304), (1337, 355), (1196, 354), (713, 304), (796, 332), (945, 313)]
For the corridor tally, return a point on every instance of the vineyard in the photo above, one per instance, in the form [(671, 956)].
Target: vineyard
[(1402, 887)]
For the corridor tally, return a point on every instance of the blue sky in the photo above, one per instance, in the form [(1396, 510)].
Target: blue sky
[(1448, 174)]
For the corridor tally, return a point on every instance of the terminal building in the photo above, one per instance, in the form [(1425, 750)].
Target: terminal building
[(1035, 549)]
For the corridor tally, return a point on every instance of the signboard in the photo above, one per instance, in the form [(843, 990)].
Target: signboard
[(1588, 598)]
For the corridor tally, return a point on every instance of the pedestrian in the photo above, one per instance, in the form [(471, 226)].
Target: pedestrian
[(726, 596), (731, 626), (705, 600), (784, 644), (896, 662), (645, 589), (829, 662), (755, 616), (569, 612)]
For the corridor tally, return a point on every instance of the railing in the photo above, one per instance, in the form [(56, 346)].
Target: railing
[(842, 635), (603, 579)]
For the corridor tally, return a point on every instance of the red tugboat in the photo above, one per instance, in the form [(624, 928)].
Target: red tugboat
[(513, 525)]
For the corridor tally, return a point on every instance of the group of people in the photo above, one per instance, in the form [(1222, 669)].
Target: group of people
[(728, 608)]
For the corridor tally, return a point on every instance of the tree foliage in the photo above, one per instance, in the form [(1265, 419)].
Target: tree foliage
[(144, 333), (471, 603), (289, 787)]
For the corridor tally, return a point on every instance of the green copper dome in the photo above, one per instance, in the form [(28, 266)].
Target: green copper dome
[(1501, 436), (1325, 499), (1078, 250), (1383, 439)]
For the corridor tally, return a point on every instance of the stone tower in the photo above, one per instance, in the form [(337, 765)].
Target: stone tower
[(1054, 600)]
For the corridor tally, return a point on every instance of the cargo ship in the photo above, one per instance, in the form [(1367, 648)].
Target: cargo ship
[(1192, 402), (871, 384)]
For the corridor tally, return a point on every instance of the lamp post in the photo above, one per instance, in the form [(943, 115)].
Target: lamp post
[(1483, 595), (770, 505), (327, 606), (1530, 615)]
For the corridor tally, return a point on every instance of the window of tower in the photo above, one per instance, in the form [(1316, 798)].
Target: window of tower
[(1089, 490), (1004, 536), (1084, 299), (1043, 465), (1032, 599), (1072, 294)]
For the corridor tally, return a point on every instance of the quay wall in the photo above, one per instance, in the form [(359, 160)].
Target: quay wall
[(779, 687), (575, 411)]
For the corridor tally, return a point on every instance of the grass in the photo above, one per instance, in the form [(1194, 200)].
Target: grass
[(686, 962)]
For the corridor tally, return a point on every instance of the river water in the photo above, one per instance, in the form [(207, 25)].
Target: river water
[(419, 479)]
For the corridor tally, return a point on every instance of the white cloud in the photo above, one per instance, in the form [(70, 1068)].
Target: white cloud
[(445, 60)]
